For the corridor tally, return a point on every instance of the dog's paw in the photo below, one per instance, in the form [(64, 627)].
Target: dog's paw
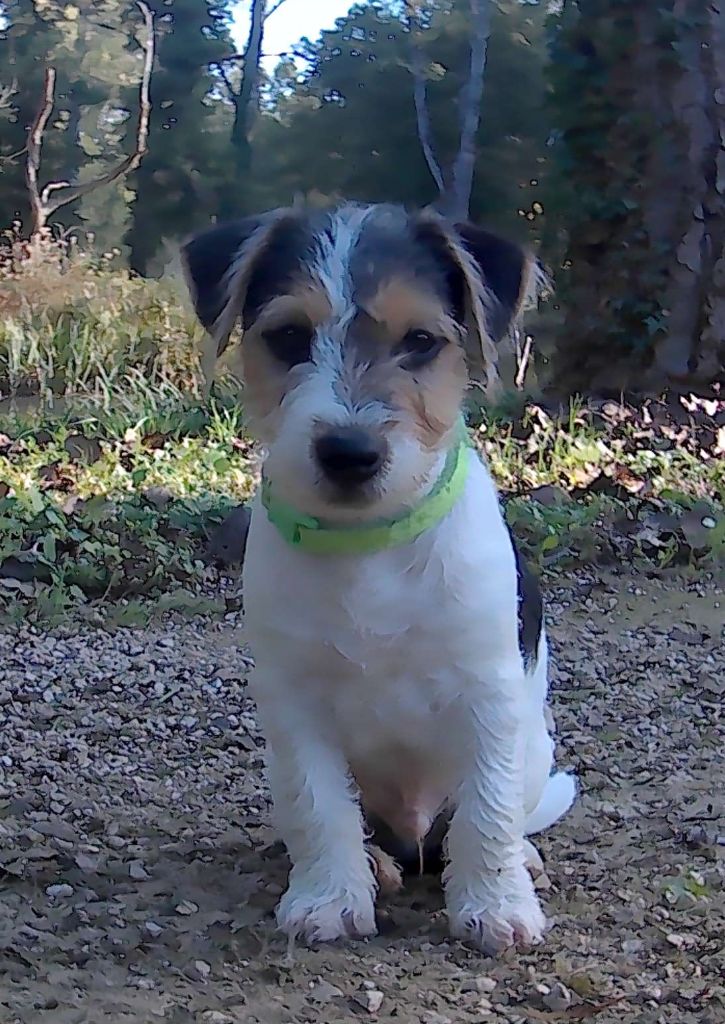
[(499, 916), (327, 916)]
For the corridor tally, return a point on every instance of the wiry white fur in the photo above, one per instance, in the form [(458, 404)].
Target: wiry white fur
[(401, 672)]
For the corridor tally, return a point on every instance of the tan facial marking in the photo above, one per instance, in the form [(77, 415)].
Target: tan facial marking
[(266, 379), (402, 305), (433, 398)]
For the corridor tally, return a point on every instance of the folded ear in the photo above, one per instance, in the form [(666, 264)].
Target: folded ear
[(508, 272), (229, 269), (490, 281)]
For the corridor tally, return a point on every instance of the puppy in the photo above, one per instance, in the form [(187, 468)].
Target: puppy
[(401, 660)]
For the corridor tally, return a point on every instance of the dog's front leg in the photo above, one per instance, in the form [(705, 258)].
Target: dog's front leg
[(490, 896), (331, 885)]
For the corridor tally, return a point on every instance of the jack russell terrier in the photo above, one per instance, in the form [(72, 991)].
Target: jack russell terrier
[(401, 656)]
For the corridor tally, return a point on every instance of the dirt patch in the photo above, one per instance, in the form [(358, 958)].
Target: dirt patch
[(138, 875)]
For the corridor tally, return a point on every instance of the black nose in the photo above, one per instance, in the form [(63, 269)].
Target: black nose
[(349, 456)]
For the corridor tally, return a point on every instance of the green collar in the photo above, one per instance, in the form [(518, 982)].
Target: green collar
[(310, 534)]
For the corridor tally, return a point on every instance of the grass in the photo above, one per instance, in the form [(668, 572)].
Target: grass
[(74, 328), (115, 467)]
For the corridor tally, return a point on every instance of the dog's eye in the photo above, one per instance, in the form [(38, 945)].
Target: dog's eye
[(418, 348), (291, 344)]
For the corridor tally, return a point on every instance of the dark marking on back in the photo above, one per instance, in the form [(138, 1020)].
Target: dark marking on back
[(530, 609)]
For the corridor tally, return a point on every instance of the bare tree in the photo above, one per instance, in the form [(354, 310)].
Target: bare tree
[(243, 93), (46, 199), (455, 183)]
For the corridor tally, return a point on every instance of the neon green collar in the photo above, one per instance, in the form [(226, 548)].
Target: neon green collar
[(310, 534)]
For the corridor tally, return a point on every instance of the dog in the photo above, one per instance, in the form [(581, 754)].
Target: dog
[(400, 651)]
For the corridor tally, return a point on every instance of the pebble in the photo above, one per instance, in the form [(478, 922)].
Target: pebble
[(59, 891), (480, 984), (322, 991), (137, 871), (186, 908), (558, 999), (370, 999)]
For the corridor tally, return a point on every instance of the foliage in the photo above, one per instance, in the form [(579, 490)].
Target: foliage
[(120, 507), (639, 188), (326, 134), (70, 325), (321, 128), (89, 44)]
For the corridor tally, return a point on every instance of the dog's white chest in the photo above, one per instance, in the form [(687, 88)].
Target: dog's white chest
[(384, 650)]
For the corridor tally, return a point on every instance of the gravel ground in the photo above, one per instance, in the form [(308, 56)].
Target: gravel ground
[(138, 875)]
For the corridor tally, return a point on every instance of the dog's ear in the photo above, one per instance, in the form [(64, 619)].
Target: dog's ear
[(506, 270), (220, 265), (490, 281)]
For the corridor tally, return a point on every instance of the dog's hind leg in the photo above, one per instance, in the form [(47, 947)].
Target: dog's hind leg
[(388, 873)]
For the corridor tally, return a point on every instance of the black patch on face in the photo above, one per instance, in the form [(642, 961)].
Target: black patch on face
[(530, 610), (282, 260), (429, 238), (501, 264), (209, 256)]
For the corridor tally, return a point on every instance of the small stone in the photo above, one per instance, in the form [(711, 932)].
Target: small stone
[(137, 871), (558, 999), (322, 991), (481, 984), (186, 908), (215, 1017), (59, 891), (370, 999), (153, 929), (203, 969)]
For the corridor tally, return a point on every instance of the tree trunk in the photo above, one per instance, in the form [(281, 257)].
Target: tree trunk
[(644, 144), (244, 106), (692, 347), (454, 183), (459, 200)]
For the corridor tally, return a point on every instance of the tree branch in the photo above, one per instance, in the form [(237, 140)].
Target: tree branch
[(13, 156), (250, 73), (56, 194), (219, 66), (34, 150), (7, 92), (274, 8), (420, 98)]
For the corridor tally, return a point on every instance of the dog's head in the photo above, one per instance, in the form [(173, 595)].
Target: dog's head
[(358, 324)]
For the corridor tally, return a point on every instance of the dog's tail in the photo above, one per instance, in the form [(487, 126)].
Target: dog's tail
[(558, 796)]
